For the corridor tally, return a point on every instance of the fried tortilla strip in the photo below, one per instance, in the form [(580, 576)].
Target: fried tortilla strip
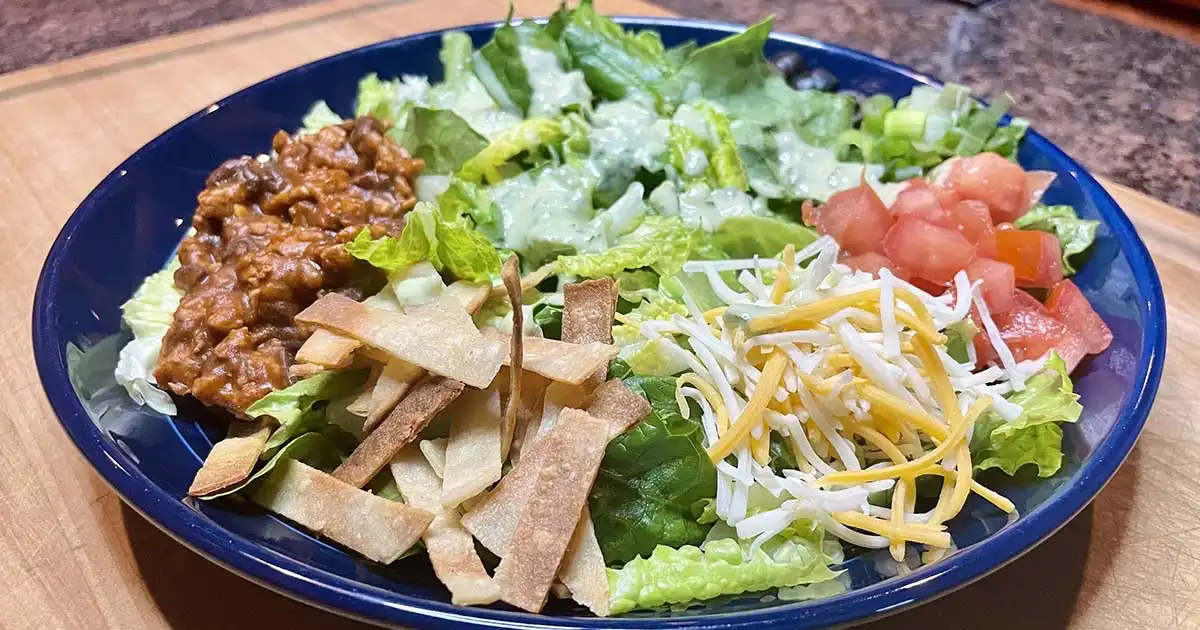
[(558, 360), (361, 405), (548, 519), (529, 413), (435, 453), (494, 517), (583, 570), (588, 311), (394, 382), (438, 336), (511, 274), (531, 280), (232, 460), (328, 349), (473, 449), (407, 420), (399, 376), (451, 549), (378, 528)]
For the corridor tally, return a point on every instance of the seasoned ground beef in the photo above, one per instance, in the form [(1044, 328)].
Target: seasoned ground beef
[(269, 241)]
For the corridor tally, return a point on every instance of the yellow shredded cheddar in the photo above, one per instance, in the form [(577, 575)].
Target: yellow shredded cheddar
[(783, 277), (914, 532), (756, 407)]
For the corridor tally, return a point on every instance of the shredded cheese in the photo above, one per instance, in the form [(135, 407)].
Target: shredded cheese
[(755, 408)]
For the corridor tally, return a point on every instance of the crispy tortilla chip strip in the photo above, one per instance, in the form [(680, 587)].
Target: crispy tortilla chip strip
[(583, 570), (619, 405), (435, 453), (361, 405), (588, 311), (399, 376), (473, 450), (529, 414), (407, 420), (451, 549), (232, 460), (438, 336), (494, 517), (375, 527), (558, 360), (531, 280), (556, 501), (394, 382), (511, 274), (328, 349)]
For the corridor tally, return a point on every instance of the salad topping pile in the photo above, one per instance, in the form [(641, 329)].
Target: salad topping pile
[(650, 325)]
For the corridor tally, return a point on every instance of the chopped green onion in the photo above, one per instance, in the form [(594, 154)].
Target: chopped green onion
[(854, 138), (874, 109)]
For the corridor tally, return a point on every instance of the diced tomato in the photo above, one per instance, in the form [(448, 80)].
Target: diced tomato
[(1036, 257), (974, 221), (928, 251), (997, 283), (855, 218), (946, 196), (872, 262), (1067, 304), (989, 178), (1028, 328), (1072, 348), (1036, 183), (984, 352), (919, 200)]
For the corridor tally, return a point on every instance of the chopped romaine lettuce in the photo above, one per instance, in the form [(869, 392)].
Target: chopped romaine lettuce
[(148, 314), (319, 116), (293, 407), (765, 237), (652, 480), (614, 62), (661, 243), (450, 244), (526, 136), (726, 164), (723, 566), (1075, 234), (313, 448), (499, 67), (439, 137), (1034, 437)]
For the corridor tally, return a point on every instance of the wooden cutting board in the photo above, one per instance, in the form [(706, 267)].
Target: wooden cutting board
[(72, 556)]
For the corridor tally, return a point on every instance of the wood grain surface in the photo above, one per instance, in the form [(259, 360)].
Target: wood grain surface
[(72, 556)]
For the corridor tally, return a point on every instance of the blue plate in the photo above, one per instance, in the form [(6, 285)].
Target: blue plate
[(130, 224)]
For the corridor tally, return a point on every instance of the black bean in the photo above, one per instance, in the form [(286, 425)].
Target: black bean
[(789, 64), (819, 79)]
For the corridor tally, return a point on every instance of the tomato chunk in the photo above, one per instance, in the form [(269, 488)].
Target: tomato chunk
[(1036, 257), (855, 218), (974, 221), (930, 252), (1036, 184), (1068, 304), (1028, 328), (1072, 348), (992, 179), (919, 200), (872, 262), (997, 283)]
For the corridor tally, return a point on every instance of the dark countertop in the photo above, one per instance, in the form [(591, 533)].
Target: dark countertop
[(1123, 100)]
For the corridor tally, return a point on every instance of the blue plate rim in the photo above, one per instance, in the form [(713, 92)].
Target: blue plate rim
[(296, 579)]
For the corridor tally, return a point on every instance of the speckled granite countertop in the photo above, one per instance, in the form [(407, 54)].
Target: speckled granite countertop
[(1122, 100)]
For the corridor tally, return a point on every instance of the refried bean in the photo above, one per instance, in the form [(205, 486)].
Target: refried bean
[(269, 240)]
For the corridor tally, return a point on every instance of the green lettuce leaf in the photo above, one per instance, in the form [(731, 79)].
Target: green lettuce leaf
[(719, 567), (455, 56), (499, 67), (781, 455), (293, 406), (1075, 234), (548, 317), (377, 98), (467, 199), (1034, 437), (614, 62), (733, 73), (749, 236), (662, 244), (439, 137), (652, 479), (149, 314), (725, 160), (526, 136), (452, 245), (682, 142), (318, 117)]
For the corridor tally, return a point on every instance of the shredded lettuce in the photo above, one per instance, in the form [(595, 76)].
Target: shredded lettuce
[(295, 407), (1075, 234), (440, 137), (1034, 437), (148, 314), (661, 243), (452, 245), (765, 237), (652, 480), (318, 117), (719, 567)]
